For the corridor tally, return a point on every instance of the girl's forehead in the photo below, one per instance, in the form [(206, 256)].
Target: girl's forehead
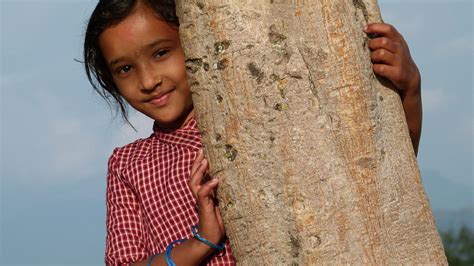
[(143, 19), (135, 32)]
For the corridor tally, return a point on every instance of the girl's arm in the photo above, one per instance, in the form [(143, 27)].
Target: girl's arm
[(190, 252), (211, 226), (414, 115), (392, 60), (125, 240)]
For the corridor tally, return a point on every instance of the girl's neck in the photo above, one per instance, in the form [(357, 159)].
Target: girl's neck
[(179, 123)]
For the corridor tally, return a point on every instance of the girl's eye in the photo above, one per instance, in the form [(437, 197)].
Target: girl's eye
[(160, 53), (125, 69)]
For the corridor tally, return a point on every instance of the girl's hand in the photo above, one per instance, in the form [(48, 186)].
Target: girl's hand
[(392, 60), (211, 226)]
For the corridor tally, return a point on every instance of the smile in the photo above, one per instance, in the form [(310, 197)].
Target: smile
[(162, 99)]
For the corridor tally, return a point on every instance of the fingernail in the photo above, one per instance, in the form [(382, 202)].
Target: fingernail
[(214, 180), (203, 161), (366, 28)]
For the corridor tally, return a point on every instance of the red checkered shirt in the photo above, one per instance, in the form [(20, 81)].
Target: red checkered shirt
[(149, 203)]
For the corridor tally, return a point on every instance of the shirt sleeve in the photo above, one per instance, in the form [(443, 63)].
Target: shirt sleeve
[(125, 240)]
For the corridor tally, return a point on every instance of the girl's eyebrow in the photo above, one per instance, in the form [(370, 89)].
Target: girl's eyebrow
[(116, 61), (145, 47), (156, 43)]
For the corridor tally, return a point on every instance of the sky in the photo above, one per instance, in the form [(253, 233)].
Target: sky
[(57, 134)]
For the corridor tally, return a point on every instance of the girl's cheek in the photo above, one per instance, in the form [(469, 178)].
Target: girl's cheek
[(179, 63), (177, 70), (124, 87)]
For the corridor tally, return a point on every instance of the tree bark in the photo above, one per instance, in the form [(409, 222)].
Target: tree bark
[(312, 151)]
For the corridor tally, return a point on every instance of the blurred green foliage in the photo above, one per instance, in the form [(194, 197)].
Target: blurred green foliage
[(459, 246)]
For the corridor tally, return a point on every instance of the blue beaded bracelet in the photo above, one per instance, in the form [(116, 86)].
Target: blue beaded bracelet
[(169, 260), (205, 241)]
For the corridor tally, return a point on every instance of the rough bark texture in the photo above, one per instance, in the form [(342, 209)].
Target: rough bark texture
[(313, 153)]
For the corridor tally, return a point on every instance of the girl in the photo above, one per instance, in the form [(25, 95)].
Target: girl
[(156, 195)]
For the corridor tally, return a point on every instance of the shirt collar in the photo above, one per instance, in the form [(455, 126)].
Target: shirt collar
[(186, 136)]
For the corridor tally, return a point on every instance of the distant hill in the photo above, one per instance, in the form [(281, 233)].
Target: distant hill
[(454, 219), (445, 194), (452, 203)]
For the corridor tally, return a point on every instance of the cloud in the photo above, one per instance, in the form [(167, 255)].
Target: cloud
[(459, 45), (434, 99), (466, 131), (410, 25), (73, 150), (470, 128), (46, 132), (60, 150), (52, 133), (9, 79), (126, 134)]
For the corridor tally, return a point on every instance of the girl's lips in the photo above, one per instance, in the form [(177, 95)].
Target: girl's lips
[(161, 100)]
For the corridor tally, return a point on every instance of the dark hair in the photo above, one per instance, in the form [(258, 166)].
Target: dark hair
[(108, 13)]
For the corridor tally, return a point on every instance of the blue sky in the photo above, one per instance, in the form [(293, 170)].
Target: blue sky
[(56, 134)]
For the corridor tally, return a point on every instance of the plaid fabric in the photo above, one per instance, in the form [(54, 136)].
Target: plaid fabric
[(149, 203)]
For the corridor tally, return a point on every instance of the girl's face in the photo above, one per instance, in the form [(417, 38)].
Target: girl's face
[(145, 58)]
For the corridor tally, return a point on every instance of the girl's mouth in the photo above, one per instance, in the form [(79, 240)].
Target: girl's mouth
[(161, 99)]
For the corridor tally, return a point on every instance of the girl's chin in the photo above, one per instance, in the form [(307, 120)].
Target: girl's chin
[(174, 122)]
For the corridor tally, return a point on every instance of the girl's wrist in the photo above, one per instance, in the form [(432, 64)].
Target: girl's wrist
[(189, 252), (413, 89), (200, 249), (411, 96), (217, 245)]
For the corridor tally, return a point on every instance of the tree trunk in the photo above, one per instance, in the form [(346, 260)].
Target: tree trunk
[(312, 151)]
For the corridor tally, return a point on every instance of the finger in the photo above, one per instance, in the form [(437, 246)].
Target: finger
[(384, 56), (383, 43), (390, 72), (196, 178), (197, 161), (205, 197), (383, 30)]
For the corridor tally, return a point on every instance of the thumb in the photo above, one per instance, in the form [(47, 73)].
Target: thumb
[(205, 195)]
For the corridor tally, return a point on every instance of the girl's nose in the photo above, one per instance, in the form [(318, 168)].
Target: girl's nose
[(150, 80)]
